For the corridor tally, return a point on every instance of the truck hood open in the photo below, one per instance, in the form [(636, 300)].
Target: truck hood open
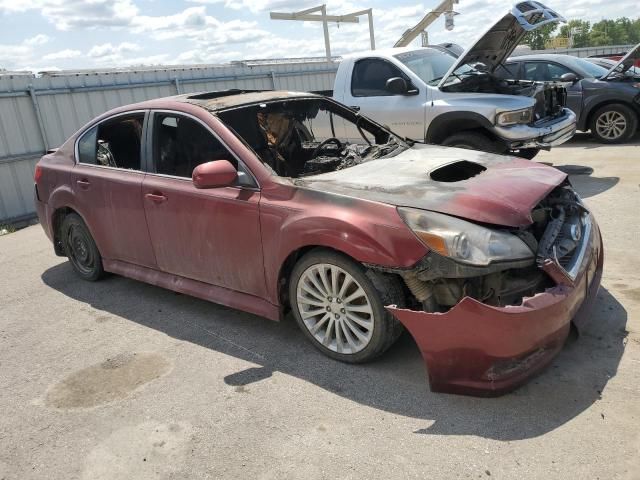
[(501, 39), (478, 186), (625, 63)]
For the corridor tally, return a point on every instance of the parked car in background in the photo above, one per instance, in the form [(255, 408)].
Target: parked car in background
[(609, 64), (444, 96), (606, 100), (262, 202)]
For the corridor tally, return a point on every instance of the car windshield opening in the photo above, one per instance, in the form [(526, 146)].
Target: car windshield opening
[(303, 137), (429, 65)]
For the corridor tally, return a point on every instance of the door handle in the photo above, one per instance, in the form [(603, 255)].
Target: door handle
[(156, 197), (83, 183), (355, 107)]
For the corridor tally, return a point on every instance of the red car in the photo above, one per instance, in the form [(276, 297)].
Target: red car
[(272, 202)]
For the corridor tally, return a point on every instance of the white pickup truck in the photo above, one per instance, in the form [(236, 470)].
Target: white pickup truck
[(430, 95)]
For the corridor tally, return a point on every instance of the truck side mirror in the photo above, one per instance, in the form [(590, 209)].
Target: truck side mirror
[(397, 86)]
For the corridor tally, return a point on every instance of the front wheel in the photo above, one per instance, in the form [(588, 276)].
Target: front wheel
[(339, 306), (80, 248), (615, 123)]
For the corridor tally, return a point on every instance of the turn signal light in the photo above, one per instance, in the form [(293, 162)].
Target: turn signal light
[(37, 175)]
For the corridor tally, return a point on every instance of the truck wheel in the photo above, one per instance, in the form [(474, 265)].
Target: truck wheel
[(472, 141), (613, 123), (81, 249), (339, 306), (527, 153)]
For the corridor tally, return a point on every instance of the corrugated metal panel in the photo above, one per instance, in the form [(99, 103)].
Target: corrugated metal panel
[(68, 100)]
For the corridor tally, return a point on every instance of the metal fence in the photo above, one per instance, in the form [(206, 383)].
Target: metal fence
[(38, 113)]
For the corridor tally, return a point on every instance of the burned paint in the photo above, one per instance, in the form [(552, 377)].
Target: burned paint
[(111, 380)]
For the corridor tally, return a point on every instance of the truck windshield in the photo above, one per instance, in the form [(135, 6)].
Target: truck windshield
[(427, 64)]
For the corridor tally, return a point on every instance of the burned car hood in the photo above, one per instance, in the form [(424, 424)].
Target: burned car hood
[(502, 38), (625, 63), (478, 186)]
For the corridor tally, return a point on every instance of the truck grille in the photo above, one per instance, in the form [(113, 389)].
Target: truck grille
[(550, 102)]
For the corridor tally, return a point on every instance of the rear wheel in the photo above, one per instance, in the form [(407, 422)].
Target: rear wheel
[(614, 123), (80, 248), (339, 306), (472, 141)]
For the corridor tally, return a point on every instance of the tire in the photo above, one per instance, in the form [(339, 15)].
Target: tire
[(527, 153), (472, 141), (613, 123), (377, 327), (80, 248)]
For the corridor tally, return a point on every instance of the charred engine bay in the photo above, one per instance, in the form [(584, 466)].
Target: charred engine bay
[(438, 283)]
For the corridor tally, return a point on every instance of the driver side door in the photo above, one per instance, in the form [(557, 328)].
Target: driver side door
[(403, 114), (210, 235)]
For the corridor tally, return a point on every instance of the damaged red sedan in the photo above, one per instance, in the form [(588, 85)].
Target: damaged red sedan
[(272, 202)]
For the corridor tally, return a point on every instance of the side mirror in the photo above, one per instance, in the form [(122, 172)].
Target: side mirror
[(569, 77), (218, 173), (397, 86)]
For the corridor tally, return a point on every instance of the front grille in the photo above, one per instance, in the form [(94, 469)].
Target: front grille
[(566, 228), (550, 102)]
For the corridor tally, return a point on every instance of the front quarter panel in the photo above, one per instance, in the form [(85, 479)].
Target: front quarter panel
[(293, 218)]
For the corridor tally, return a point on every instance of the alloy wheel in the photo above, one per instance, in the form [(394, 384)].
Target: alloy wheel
[(335, 308), (611, 125)]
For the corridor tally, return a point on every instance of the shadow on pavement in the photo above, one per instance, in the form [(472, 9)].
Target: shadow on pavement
[(585, 184), (395, 383)]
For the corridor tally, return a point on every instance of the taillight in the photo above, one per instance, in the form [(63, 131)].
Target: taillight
[(37, 174)]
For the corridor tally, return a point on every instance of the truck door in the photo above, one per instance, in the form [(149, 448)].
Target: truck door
[(366, 91)]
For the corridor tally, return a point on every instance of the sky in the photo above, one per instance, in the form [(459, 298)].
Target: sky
[(41, 35)]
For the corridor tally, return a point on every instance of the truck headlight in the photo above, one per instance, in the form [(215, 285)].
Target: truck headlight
[(463, 241), (515, 117)]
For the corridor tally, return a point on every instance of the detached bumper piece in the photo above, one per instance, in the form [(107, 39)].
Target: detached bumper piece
[(482, 350)]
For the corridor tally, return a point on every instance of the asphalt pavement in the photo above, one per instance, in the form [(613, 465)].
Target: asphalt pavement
[(123, 380)]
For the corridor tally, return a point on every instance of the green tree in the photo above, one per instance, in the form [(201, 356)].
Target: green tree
[(539, 37), (578, 31)]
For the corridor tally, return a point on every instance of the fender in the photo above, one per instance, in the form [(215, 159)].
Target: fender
[(63, 197), (368, 232), (592, 103), (441, 126)]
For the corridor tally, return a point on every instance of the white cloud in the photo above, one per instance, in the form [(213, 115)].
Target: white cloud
[(109, 50), (39, 39), (70, 14), (65, 54)]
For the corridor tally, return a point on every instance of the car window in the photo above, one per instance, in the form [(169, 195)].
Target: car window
[(427, 64), (543, 71), (180, 144), (114, 143), (508, 71), (370, 77)]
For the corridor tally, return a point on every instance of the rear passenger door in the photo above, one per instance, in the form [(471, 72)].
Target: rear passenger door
[(107, 184), (210, 235)]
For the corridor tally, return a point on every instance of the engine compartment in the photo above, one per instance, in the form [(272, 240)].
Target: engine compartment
[(438, 283)]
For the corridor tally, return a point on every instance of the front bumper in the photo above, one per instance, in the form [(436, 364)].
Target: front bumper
[(477, 349), (542, 135)]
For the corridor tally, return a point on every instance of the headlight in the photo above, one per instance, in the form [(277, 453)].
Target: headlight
[(514, 117), (463, 241)]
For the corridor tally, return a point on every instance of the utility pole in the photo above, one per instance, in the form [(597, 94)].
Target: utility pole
[(310, 15)]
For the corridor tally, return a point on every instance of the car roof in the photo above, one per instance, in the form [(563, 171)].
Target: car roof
[(543, 56), (388, 52), (221, 99)]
